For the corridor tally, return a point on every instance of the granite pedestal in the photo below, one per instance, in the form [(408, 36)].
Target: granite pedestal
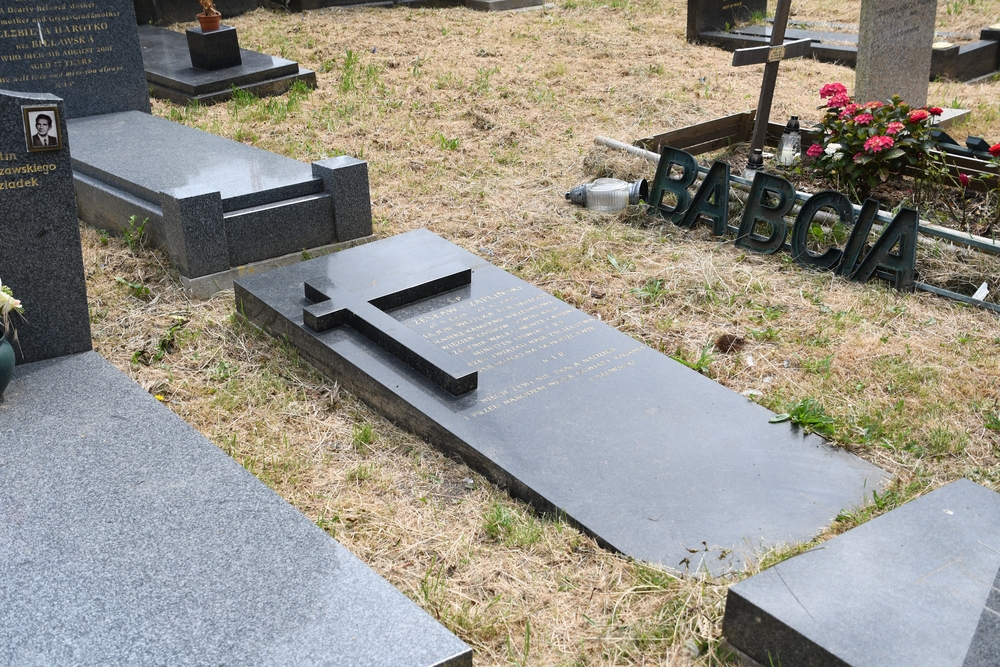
[(172, 75), (127, 538), (216, 205), (652, 458), (919, 586)]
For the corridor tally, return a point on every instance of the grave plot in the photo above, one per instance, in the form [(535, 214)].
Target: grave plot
[(128, 537), (890, 43), (222, 66), (218, 207), (917, 586), (652, 458)]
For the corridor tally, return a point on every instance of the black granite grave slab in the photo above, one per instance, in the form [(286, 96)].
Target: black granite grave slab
[(127, 538), (918, 586), (711, 15), (85, 52), (171, 75), (213, 203), (40, 254), (649, 456)]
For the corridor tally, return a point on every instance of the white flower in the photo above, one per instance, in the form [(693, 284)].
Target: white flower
[(7, 301), (832, 148)]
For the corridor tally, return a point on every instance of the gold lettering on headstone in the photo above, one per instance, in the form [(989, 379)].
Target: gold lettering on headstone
[(63, 40)]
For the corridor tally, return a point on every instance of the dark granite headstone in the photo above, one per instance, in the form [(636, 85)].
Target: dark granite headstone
[(40, 255), (165, 12), (709, 15), (919, 586), (651, 457), (85, 52), (127, 538)]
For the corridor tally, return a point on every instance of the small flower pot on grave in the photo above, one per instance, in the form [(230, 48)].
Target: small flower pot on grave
[(209, 23), (6, 364)]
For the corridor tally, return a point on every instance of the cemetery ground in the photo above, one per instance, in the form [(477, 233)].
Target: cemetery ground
[(474, 125)]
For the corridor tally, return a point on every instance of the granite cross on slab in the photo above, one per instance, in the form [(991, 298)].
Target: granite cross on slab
[(365, 312), (645, 454)]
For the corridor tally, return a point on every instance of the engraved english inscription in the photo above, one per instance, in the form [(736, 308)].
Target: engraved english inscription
[(515, 325)]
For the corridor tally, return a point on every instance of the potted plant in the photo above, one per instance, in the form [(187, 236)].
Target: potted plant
[(7, 304), (210, 19)]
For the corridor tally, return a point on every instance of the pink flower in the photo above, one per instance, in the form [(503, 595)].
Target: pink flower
[(874, 105), (878, 143), (839, 100), (894, 127), (831, 89), (816, 150), (863, 118), (857, 156), (963, 179), (995, 150), (918, 116), (936, 111), (849, 111)]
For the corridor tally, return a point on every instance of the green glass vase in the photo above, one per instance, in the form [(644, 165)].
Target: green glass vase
[(6, 364)]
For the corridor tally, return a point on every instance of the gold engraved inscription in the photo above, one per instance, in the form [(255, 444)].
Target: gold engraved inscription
[(508, 326), (56, 42)]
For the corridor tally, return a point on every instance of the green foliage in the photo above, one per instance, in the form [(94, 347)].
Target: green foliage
[(138, 290), (700, 364), (445, 143), (134, 234), (482, 83), (810, 415), (166, 344), (363, 437), (862, 144), (511, 527), (654, 290)]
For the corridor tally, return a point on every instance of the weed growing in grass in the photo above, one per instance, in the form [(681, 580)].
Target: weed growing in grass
[(700, 364), (361, 473), (654, 290), (349, 71), (512, 527), (810, 415), (138, 290), (621, 266), (363, 437), (134, 234), (482, 84), (445, 143)]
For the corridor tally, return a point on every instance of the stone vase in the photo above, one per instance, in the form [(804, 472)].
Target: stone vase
[(6, 364), (209, 23)]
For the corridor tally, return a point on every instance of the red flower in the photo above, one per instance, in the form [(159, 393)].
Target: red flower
[(831, 89), (995, 150), (963, 179), (839, 100), (816, 150), (863, 118), (918, 116), (936, 111), (878, 143), (894, 127)]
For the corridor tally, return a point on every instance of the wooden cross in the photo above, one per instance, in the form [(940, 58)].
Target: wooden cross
[(365, 312), (773, 54)]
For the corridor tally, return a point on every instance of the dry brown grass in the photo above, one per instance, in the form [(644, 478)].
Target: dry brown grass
[(911, 381)]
